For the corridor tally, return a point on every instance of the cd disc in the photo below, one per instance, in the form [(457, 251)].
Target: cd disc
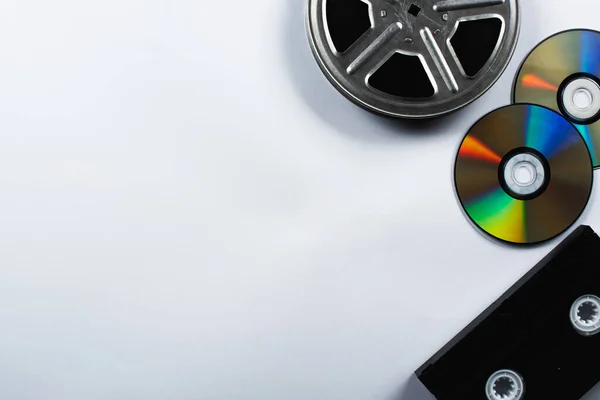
[(523, 174), (563, 73)]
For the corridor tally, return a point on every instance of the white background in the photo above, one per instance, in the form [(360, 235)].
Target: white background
[(189, 210)]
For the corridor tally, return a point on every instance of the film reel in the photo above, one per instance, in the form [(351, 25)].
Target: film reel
[(413, 58)]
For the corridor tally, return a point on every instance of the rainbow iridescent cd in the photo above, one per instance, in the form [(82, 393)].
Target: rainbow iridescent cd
[(562, 73), (523, 174)]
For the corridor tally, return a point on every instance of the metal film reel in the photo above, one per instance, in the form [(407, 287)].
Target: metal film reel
[(413, 58)]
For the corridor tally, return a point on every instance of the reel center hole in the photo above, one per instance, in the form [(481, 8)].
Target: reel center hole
[(524, 173), (414, 10), (583, 99)]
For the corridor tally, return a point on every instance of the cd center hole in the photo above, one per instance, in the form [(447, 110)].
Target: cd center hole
[(524, 174), (583, 99)]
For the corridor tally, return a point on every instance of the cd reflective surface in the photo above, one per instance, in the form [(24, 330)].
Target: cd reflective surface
[(523, 174), (562, 73)]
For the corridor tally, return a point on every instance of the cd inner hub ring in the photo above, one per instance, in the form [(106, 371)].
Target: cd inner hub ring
[(579, 99), (524, 174)]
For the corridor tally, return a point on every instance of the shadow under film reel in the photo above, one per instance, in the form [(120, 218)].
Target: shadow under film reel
[(413, 58)]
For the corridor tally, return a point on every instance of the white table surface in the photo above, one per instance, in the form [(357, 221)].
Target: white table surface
[(189, 210)]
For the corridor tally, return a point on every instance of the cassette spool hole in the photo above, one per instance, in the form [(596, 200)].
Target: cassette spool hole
[(585, 315), (505, 385), (587, 312)]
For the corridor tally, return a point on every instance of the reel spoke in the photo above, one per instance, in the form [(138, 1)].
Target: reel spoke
[(372, 43), (453, 5), (443, 73)]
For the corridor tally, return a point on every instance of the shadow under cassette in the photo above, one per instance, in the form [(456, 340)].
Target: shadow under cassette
[(413, 58), (523, 174)]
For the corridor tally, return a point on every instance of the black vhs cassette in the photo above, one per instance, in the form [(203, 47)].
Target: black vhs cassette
[(538, 341)]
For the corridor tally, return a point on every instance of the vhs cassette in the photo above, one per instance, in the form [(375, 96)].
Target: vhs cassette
[(538, 341)]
